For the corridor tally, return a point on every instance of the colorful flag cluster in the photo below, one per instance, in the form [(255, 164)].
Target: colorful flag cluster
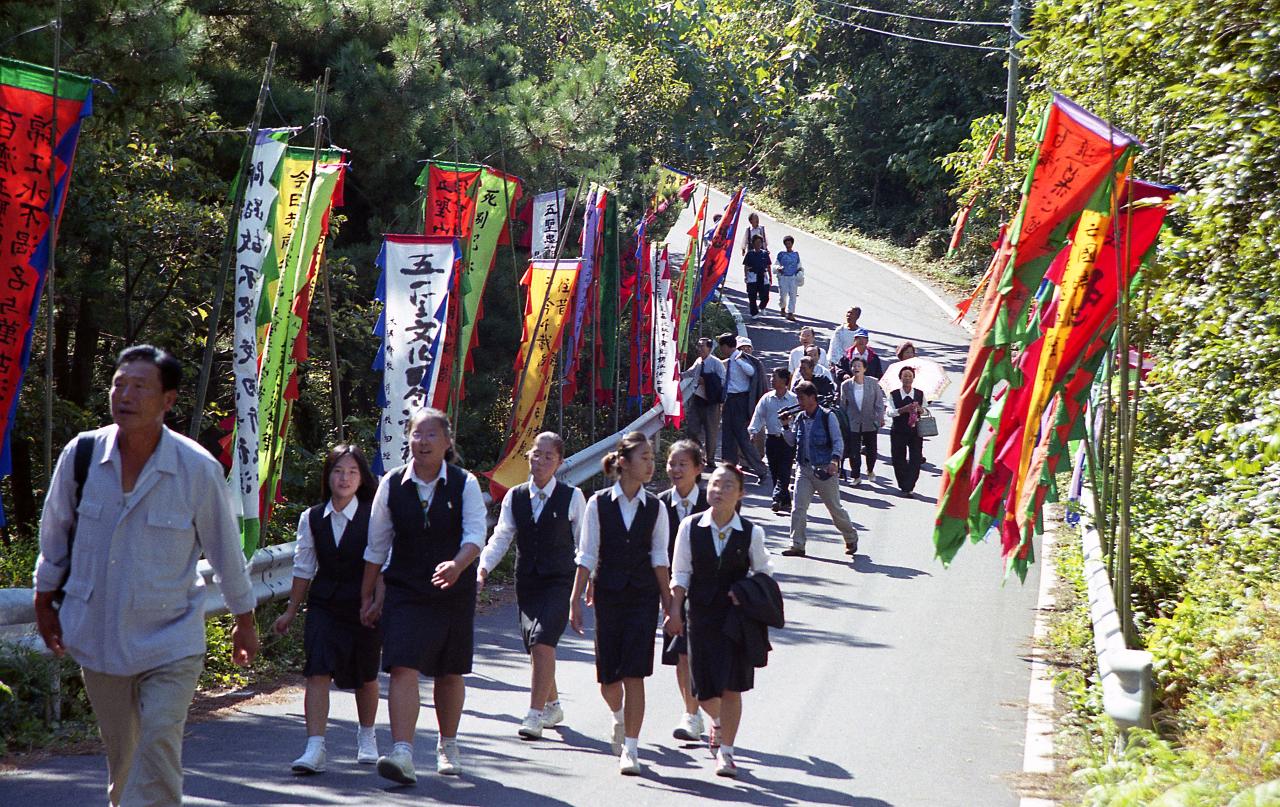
[(37, 133), (280, 239), (1045, 326)]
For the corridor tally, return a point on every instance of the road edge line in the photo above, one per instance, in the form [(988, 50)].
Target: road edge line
[(1037, 748)]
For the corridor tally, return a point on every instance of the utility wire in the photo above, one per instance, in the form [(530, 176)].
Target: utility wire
[(21, 34), (871, 30), (914, 17)]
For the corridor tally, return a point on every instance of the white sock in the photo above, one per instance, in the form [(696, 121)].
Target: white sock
[(551, 704), (726, 750), (445, 742), (366, 731), (535, 713), (405, 747), (315, 741), (618, 717), (632, 745), (715, 722)]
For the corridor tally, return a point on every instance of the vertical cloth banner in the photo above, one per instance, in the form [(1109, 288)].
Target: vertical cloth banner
[(415, 286), (550, 286), (665, 363), (582, 295), (715, 263), (253, 246), (286, 335), (548, 209), (30, 208), (450, 197), (496, 194), (689, 281), (670, 181), (607, 356)]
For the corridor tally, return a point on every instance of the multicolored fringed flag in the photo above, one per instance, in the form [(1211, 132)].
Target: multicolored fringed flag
[(550, 287), (414, 287), (496, 195), (641, 376), (286, 337), (253, 247), (582, 300), (1078, 152), (715, 263), (29, 206), (670, 182), (962, 215), (548, 209), (688, 285), (607, 345)]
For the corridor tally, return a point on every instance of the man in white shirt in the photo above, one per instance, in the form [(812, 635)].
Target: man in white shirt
[(801, 350), (842, 337), (122, 541), (739, 374), (778, 452)]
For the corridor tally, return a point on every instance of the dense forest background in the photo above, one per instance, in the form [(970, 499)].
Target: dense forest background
[(870, 133)]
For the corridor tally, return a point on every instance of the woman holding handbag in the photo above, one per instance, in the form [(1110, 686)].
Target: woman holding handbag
[(905, 440)]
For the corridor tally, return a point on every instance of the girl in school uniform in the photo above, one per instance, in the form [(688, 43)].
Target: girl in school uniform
[(684, 498), (429, 517), (328, 565), (713, 551), (541, 517), (623, 542)]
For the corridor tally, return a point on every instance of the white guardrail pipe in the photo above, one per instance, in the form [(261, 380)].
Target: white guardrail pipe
[(1125, 674), (271, 568)]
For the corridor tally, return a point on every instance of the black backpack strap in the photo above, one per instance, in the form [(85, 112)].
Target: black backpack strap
[(81, 459)]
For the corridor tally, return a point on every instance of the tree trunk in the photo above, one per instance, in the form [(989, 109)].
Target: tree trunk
[(62, 356), (80, 379), (24, 499)]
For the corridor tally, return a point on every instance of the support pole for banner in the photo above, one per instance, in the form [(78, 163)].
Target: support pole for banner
[(456, 370), (1011, 89), (617, 336), (49, 336), (335, 374), (229, 248), (594, 301), (542, 310)]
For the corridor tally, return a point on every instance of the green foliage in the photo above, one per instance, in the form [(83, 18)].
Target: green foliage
[(27, 701)]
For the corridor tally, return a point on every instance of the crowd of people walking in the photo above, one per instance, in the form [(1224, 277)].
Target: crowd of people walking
[(389, 569)]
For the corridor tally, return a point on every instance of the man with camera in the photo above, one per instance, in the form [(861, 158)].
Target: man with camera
[(815, 432)]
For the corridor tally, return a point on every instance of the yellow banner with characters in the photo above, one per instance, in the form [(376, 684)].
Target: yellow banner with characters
[(550, 286)]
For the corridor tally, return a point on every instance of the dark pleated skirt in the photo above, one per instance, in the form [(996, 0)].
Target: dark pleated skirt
[(543, 604), (339, 646), (715, 663), (626, 622), (434, 637)]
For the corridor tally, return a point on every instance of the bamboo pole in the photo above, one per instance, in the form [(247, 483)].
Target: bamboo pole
[(335, 373), (229, 248), (49, 272)]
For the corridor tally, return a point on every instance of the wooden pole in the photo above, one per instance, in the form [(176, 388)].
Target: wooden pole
[(335, 373), (228, 250), (50, 336)]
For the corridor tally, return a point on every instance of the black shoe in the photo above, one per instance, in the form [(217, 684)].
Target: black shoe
[(793, 552), (776, 507), (851, 549)]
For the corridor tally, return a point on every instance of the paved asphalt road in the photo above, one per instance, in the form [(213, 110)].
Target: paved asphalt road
[(895, 682)]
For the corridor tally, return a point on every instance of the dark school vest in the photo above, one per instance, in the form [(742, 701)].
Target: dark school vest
[(668, 498), (713, 576), (901, 423), (341, 566), (423, 542), (625, 559), (544, 548)]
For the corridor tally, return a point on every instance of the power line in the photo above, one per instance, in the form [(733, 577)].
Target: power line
[(914, 17), (871, 30)]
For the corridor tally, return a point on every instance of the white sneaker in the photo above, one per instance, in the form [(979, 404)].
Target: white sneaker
[(619, 734), (629, 764), (398, 767), (552, 715), (531, 727), (725, 766), (448, 760), (690, 728), (311, 761), (367, 748)]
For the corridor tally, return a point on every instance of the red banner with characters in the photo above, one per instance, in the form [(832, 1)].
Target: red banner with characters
[(34, 136)]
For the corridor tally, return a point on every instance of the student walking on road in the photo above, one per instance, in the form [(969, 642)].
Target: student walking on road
[(863, 402), (684, 498), (769, 421), (905, 441), (429, 517), (819, 447), (715, 551), (623, 542), (759, 276), (328, 566), (541, 517), (790, 275)]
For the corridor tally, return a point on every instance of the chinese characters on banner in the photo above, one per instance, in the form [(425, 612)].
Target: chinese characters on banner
[(417, 278), (253, 243), (548, 209), (715, 263), (550, 287), (592, 215), (450, 202), (665, 366), (28, 143)]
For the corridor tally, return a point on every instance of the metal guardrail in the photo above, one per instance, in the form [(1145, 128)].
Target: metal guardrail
[(271, 568), (1125, 674)]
